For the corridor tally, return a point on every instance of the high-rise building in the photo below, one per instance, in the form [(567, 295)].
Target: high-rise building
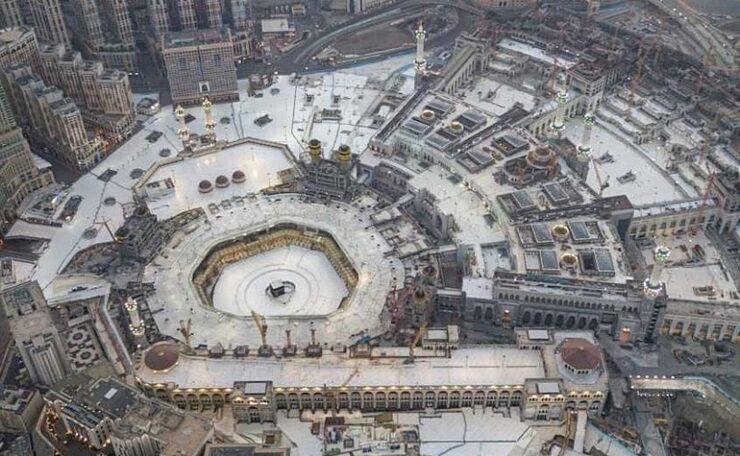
[(89, 22), (213, 17), (10, 13), (106, 34), (159, 19), (18, 45), (200, 64), (53, 120), (35, 335), (48, 21), (239, 17), (118, 18), (19, 174), (186, 12), (104, 96)]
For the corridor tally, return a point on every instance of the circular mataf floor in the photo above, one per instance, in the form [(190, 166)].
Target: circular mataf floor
[(242, 286)]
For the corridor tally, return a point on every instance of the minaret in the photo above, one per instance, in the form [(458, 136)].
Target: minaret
[(420, 64), (314, 150), (562, 98), (210, 123), (652, 285), (588, 125), (344, 156), (182, 132), (136, 324)]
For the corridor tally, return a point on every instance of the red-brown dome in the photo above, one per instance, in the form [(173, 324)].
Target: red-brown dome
[(222, 181), (162, 356), (238, 176), (580, 354), (205, 186)]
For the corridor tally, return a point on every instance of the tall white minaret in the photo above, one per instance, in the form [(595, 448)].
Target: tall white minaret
[(183, 131), (136, 324), (588, 124), (420, 64), (653, 285), (562, 98), (210, 123)]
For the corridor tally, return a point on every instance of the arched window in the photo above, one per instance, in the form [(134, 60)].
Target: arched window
[(429, 399), (442, 400), (455, 399), (418, 402), (368, 401)]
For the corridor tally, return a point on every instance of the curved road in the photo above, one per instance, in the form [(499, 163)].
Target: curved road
[(295, 59)]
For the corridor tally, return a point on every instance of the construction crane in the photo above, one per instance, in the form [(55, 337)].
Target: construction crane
[(186, 330), (603, 184), (704, 202), (259, 321), (591, 9), (550, 84), (705, 64), (641, 55), (415, 342)]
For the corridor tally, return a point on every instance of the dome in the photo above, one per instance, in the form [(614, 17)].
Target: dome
[(222, 181), (205, 186), (162, 356), (580, 354), (238, 176)]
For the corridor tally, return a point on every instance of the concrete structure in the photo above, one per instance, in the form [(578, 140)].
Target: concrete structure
[(48, 21), (19, 171), (529, 378), (107, 412), (469, 56), (38, 341), (541, 302), (200, 64), (333, 177), (701, 320)]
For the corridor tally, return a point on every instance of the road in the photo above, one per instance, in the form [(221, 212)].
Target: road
[(297, 58), (703, 30)]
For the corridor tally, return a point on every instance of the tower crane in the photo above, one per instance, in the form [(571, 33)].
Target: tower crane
[(705, 64), (642, 54), (186, 330), (704, 203), (415, 342), (603, 184), (259, 321)]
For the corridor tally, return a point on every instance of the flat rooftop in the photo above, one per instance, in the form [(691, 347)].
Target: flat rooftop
[(479, 365), (195, 37), (540, 55), (651, 183), (467, 207)]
